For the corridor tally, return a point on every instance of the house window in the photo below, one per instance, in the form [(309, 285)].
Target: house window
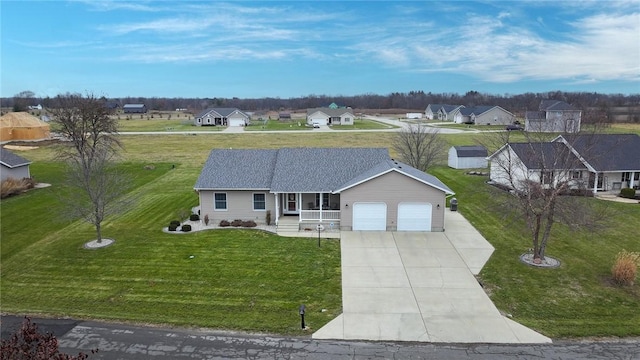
[(220, 201), (576, 174), (546, 177), (626, 176), (259, 202)]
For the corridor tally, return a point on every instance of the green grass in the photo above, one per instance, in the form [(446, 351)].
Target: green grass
[(249, 280), (364, 124), (276, 125), (155, 124), (238, 279)]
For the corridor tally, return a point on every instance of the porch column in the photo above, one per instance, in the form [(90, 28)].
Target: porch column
[(277, 208), (595, 184), (632, 181), (320, 207)]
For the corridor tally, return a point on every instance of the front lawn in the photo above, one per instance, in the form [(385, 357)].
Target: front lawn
[(156, 124), (237, 279), (364, 124), (277, 125)]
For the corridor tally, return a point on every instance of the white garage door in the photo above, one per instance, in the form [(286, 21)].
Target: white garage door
[(414, 217), (236, 122), (369, 216)]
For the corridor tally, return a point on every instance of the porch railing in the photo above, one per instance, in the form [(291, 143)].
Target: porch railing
[(332, 215)]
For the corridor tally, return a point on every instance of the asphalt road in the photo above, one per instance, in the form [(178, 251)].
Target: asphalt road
[(118, 341)]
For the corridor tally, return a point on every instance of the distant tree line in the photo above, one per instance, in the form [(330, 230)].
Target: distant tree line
[(413, 100)]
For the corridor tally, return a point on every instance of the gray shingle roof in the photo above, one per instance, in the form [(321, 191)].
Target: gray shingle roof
[(330, 111), (322, 169), (223, 112), (228, 169), (546, 155), (608, 152), (555, 105), (300, 169), (11, 160), (471, 151), (133, 106)]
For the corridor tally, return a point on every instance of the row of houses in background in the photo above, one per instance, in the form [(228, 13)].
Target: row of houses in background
[(551, 116), (330, 115)]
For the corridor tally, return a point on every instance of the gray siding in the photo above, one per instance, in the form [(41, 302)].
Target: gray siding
[(239, 206), (392, 188), (16, 173), (495, 116)]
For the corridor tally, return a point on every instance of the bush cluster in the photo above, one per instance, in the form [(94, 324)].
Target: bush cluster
[(175, 223), (186, 228), (238, 223), (629, 193), (173, 227), (194, 217), (12, 186), (625, 267)]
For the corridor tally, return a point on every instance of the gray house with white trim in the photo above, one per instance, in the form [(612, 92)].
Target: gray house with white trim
[(222, 117), (330, 116), (553, 116), (351, 188), (13, 166)]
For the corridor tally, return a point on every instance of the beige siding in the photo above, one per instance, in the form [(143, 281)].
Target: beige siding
[(392, 189), (239, 206), (495, 116)]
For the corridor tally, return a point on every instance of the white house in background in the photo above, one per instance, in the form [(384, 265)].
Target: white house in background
[(483, 115), (553, 116), (222, 117), (442, 112), (13, 166), (330, 116), (468, 157), (598, 162), (35, 107), (414, 115)]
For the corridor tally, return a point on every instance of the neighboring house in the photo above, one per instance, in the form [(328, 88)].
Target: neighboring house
[(601, 162), (35, 107), (483, 115), (330, 116), (442, 112), (284, 116), (351, 188), (222, 117), (134, 109), (468, 157), (13, 166), (553, 116), (450, 113), (414, 115), (612, 160)]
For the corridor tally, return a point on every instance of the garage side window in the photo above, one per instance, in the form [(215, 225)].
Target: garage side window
[(220, 201), (259, 202)]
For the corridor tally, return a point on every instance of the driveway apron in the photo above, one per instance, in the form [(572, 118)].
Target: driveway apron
[(419, 286)]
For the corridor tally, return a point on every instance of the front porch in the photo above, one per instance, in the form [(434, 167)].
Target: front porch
[(290, 226), (312, 208)]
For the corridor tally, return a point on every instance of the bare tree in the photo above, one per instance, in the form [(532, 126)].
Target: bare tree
[(420, 146), (94, 186), (547, 182), (22, 100)]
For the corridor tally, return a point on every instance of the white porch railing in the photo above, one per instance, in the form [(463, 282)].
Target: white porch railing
[(331, 215)]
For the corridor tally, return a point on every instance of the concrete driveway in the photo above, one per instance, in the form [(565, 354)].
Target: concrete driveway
[(419, 286)]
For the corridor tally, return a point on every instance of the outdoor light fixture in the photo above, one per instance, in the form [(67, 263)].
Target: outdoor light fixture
[(438, 206), (346, 205)]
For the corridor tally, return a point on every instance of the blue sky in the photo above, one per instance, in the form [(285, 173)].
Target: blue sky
[(291, 48)]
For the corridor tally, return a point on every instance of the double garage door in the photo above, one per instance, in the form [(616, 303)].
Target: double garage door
[(373, 216)]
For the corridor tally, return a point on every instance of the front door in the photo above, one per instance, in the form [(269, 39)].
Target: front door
[(291, 203)]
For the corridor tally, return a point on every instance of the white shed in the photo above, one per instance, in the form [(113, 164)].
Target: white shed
[(468, 157)]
